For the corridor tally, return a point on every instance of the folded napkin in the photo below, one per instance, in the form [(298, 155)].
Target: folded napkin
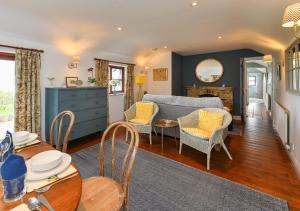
[(6, 147), (13, 167), (27, 145), (11, 148), (21, 207), (32, 185)]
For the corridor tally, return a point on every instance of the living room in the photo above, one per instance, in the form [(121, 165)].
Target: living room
[(184, 65)]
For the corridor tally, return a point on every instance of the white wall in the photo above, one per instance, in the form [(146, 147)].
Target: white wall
[(54, 64), (290, 101), (159, 60)]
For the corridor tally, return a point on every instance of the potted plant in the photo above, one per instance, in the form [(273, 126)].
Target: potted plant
[(114, 84), (92, 81), (91, 78)]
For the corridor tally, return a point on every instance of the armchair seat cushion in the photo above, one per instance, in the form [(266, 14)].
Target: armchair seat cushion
[(139, 121), (204, 134)]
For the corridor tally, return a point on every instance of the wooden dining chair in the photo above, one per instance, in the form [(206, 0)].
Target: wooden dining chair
[(104, 193), (61, 143)]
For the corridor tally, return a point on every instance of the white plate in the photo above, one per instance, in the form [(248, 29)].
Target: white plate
[(32, 175), (20, 136), (31, 138), (45, 161)]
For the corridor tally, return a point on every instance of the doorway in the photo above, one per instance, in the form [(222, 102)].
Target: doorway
[(257, 87), (7, 92)]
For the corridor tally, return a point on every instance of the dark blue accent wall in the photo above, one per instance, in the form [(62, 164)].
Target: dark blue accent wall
[(231, 76), (177, 75)]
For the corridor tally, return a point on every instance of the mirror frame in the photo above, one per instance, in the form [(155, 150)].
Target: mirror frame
[(199, 63)]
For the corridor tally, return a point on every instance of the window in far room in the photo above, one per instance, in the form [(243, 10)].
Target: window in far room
[(116, 73), (7, 92), (252, 80)]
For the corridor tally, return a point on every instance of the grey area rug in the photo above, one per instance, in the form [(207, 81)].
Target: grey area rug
[(159, 183)]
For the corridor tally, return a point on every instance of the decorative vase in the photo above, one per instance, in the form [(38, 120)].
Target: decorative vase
[(114, 90), (92, 84)]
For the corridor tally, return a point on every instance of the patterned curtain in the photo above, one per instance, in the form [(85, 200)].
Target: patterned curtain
[(28, 93), (129, 92), (101, 73)]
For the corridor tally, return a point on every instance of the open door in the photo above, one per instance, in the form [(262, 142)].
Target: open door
[(244, 89)]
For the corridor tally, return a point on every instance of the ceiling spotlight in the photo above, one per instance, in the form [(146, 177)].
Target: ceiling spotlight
[(120, 28), (165, 46), (220, 37), (194, 4)]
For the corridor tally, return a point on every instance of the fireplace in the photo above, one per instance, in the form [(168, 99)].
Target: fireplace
[(224, 93), (207, 95)]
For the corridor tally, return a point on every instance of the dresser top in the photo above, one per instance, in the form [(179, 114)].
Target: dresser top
[(75, 88)]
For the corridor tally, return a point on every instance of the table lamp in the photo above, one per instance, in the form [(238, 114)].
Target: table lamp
[(140, 79)]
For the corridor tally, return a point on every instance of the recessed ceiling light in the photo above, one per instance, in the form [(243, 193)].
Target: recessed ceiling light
[(194, 4), (220, 37), (120, 28), (165, 46)]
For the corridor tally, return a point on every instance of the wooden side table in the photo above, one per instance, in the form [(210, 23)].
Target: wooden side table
[(166, 123)]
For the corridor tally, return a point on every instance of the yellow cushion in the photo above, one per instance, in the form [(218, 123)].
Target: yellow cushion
[(139, 121), (198, 132), (144, 111), (209, 121)]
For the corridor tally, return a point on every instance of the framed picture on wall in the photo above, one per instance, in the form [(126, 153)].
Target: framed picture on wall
[(71, 82), (279, 72), (160, 74)]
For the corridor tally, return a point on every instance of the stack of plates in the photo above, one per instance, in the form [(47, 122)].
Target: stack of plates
[(47, 164), (23, 137)]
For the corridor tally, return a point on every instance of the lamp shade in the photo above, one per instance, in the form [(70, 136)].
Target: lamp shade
[(291, 15), (76, 59), (140, 79), (268, 58)]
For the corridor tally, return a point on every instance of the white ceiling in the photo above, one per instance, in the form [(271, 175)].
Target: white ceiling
[(91, 25)]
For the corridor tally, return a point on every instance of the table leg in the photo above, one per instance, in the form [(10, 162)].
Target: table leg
[(162, 138)]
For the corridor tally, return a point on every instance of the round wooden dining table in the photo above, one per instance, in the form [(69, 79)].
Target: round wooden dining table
[(64, 195)]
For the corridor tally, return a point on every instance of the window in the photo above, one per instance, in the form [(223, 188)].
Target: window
[(7, 92), (252, 80), (293, 67), (117, 73)]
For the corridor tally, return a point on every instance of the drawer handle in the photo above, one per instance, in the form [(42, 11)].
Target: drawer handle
[(97, 103), (72, 106), (96, 113), (73, 95)]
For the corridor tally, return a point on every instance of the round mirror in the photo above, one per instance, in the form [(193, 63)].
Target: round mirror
[(209, 70)]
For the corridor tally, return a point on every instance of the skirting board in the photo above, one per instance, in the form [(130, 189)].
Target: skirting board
[(291, 155)]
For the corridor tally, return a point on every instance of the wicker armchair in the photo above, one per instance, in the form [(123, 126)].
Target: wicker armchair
[(141, 128), (197, 142)]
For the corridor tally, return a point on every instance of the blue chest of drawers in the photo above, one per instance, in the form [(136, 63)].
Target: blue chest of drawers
[(88, 104)]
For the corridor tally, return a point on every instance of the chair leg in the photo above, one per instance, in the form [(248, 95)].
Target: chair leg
[(226, 150), (180, 147), (208, 161), (150, 136), (126, 138)]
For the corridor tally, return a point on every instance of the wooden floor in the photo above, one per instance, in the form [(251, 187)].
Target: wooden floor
[(259, 159)]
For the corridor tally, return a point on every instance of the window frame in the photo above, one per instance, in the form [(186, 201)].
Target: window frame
[(292, 60), (122, 80), (255, 81), (7, 56)]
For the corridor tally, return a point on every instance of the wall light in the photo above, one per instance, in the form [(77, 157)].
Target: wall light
[(291, 17), (74, 63), (268, 58)]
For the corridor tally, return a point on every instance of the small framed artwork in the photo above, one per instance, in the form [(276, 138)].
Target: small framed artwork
[(160, 74), (279, 72), (71, 82)]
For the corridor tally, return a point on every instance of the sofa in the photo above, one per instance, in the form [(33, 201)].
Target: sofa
[(173, 107)]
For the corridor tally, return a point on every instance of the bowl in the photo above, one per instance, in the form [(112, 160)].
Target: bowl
[(45, 161), (20, 136)]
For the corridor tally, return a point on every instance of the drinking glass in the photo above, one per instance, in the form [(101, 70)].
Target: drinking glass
[(14, 189)]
